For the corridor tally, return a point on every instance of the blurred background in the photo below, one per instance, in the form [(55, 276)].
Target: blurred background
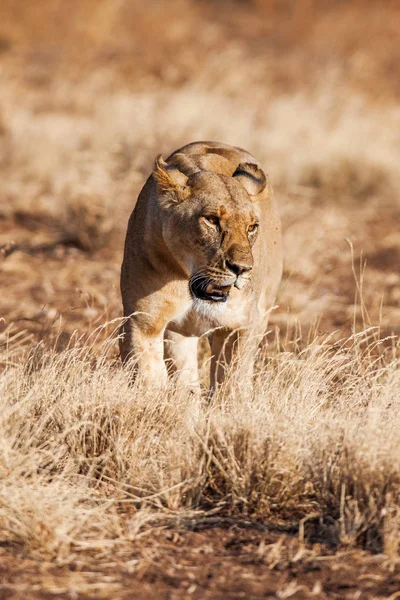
[(92, 90)]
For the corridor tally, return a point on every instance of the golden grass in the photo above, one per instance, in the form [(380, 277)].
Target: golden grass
[(87, 459)]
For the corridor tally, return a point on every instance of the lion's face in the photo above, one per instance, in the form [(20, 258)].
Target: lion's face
[(212, 231)]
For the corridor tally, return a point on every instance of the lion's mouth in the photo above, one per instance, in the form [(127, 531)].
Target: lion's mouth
[(218, 294), (212, 292)]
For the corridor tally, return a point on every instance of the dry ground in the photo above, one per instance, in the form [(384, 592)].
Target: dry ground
[(290, 490)]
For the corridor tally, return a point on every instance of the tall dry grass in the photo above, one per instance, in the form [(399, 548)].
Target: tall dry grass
[(88, 460)]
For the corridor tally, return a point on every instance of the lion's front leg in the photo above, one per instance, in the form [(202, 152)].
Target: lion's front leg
[(144, 350), (233, 354), (181, 354)]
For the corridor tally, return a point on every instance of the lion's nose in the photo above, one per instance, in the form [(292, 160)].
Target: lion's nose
[(237, 268)]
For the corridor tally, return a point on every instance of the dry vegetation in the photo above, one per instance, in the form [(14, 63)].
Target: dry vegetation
[(290, 489)]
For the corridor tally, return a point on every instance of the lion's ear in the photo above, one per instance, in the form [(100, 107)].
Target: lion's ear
[(251, 177), (171, 181)]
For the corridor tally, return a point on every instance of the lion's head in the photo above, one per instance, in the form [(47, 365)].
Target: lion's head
[(210, 223)]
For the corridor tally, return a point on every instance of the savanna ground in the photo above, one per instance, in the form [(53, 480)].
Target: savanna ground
[(288, 490)]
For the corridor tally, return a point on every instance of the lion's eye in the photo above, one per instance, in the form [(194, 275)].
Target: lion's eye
[(252, 228), (212, 219)]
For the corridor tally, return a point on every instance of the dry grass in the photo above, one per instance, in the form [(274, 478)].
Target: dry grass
[(92, 469), (89, 463)]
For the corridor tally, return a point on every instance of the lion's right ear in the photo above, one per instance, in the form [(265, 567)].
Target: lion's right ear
[(170, 181)]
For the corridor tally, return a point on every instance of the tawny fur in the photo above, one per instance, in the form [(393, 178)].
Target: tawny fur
[(171, 243)]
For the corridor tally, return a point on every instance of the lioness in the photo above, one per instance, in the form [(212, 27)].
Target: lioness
[(203, 256)]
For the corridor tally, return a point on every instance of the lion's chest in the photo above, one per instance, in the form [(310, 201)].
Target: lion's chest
[(201, 317)]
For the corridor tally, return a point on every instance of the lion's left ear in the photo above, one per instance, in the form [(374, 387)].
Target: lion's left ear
[(251, 177), (171, 181)]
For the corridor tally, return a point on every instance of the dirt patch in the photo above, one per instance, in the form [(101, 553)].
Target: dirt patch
[(214, 563)]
